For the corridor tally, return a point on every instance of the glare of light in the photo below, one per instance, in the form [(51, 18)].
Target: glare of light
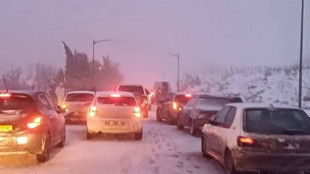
[(22, 140)]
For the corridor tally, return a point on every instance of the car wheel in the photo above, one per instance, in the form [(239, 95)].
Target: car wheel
[(89, 136), (193, 129), (179, 124), (229, 164), (158, 115), (138, 136), (63, 139), (47, 150)]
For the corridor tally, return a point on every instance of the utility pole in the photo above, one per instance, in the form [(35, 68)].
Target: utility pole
[(301, 55), (178, 73)]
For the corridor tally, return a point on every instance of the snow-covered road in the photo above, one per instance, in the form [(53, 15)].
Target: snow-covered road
[(163, 150)]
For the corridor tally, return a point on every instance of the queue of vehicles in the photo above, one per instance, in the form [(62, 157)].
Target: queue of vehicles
[(243, 137)]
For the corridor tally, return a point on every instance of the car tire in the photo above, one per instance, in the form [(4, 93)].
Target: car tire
[(203, 146), (63, 140), (41, 158), (138, 135), (179, 124), (158, 115), (89, 136), (193, 129), (229, 164)]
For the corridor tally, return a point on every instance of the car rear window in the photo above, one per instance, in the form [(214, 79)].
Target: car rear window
[(276, 121), (79, 97), (120, 101), (216, 102), (133, 89), (17, 104), (182, 99)]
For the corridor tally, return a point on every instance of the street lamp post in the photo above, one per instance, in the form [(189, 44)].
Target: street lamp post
[(178, 58), (94, 43), (300, 56)]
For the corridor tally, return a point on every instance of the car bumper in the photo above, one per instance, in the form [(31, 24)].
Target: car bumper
[(114, 126), (199, 123), (271, 162), (75, 117), (9, 143)]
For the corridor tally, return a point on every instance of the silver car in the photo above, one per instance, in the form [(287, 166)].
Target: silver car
[(253, 137), (114, 113)]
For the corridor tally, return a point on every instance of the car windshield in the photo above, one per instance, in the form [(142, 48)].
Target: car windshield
[(183, 99), (16, 104), (119, 101), (276, 121), (79, 98), (133, 89)]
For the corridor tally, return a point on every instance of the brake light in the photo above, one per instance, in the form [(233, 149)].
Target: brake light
[(175, 105), (245, 141), (137, 112), (35, 123), (92, 111), (115, 95), (188, 95), (5, 95)]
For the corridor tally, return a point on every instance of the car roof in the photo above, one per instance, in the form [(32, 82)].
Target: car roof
[(260, 105), (130, 85), (31, 93), (108, 93), (81, 92)]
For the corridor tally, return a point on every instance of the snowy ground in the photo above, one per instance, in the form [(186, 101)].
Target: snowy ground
[(163, 150)]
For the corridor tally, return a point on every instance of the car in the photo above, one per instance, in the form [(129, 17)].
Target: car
[(201, 109), (169, 108), (115, 113), (30, 123), (76, 104), (257, 137), (141, 94), (161, 89)]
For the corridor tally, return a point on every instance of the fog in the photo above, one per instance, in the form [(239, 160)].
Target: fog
[(206, 33)]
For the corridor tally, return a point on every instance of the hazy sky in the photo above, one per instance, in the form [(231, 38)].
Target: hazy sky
[(206, 33)]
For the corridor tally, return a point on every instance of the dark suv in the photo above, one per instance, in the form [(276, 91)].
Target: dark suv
[(201, 109), (169, 108), (30, 123)]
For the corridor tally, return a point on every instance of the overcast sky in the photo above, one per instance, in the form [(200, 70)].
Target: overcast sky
[(206, 33)]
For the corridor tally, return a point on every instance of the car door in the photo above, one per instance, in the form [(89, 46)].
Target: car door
[(55, 113), (215, 132), (225, 130), (52, 119)]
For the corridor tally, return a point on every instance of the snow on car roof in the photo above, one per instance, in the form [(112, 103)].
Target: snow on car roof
[(260, 105), (130, 85), (109, 93), (81, 92)]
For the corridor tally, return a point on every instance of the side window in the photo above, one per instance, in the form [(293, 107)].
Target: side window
[(230, 117), (43, 103), (51, 103), (221, 115)]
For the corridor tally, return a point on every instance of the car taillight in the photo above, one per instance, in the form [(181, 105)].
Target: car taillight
[(137, 112), (5, 95), (92, 111), (245, 141), (37, 121), (175, 106), (188, 95)]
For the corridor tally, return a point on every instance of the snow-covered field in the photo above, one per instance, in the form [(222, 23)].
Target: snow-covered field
[(163, 150)]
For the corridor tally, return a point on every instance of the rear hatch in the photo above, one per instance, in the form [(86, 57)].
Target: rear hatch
[(116, 107), (278, 130), (78, 102), (14, 109)]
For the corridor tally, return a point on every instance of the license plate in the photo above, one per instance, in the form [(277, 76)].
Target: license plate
[(6, 128), (114, 123)]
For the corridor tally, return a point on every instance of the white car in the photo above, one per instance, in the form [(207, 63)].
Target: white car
[(114, 113)]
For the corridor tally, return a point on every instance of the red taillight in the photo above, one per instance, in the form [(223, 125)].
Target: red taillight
[(174, 105), (92, 111), (245, 141), (5, 95), (188, 95), (137, 112), (35, 122)]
